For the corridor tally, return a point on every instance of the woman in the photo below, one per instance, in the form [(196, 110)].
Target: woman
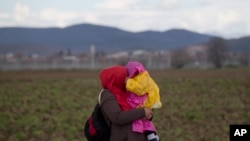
[(116, 108)]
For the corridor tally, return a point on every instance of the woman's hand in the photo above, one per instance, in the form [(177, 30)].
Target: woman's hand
[(148, 113)]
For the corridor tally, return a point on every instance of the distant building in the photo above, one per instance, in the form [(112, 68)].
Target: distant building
[(197, 56)]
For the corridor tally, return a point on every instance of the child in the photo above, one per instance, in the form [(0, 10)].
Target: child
[(142, 92)]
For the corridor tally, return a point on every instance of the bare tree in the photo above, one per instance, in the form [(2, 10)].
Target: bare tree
[(245, 59), (179, 58), (217, 51)]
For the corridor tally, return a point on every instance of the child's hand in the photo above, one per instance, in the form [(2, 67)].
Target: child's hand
[(148, 113)]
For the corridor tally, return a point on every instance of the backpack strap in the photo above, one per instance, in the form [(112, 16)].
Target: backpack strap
[(99, 97), (104, 115)]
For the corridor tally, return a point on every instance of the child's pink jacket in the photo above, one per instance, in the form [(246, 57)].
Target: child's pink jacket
[(139, 125)]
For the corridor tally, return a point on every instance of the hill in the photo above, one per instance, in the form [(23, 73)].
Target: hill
[(78, 38)]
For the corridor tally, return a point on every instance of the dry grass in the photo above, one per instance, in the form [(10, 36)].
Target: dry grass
[(53, 105)]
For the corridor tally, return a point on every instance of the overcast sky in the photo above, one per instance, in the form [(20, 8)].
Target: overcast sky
[(227, 18)]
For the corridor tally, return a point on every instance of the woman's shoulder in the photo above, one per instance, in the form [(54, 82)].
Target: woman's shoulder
[(105, 95)]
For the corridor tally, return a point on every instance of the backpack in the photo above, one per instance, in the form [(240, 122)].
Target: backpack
[(96, 127)]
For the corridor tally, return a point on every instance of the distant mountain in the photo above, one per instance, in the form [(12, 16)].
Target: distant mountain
[(241, 44), (78, 38)]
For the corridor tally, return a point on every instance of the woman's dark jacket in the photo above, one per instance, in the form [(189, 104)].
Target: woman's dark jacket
[(121, 121)]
